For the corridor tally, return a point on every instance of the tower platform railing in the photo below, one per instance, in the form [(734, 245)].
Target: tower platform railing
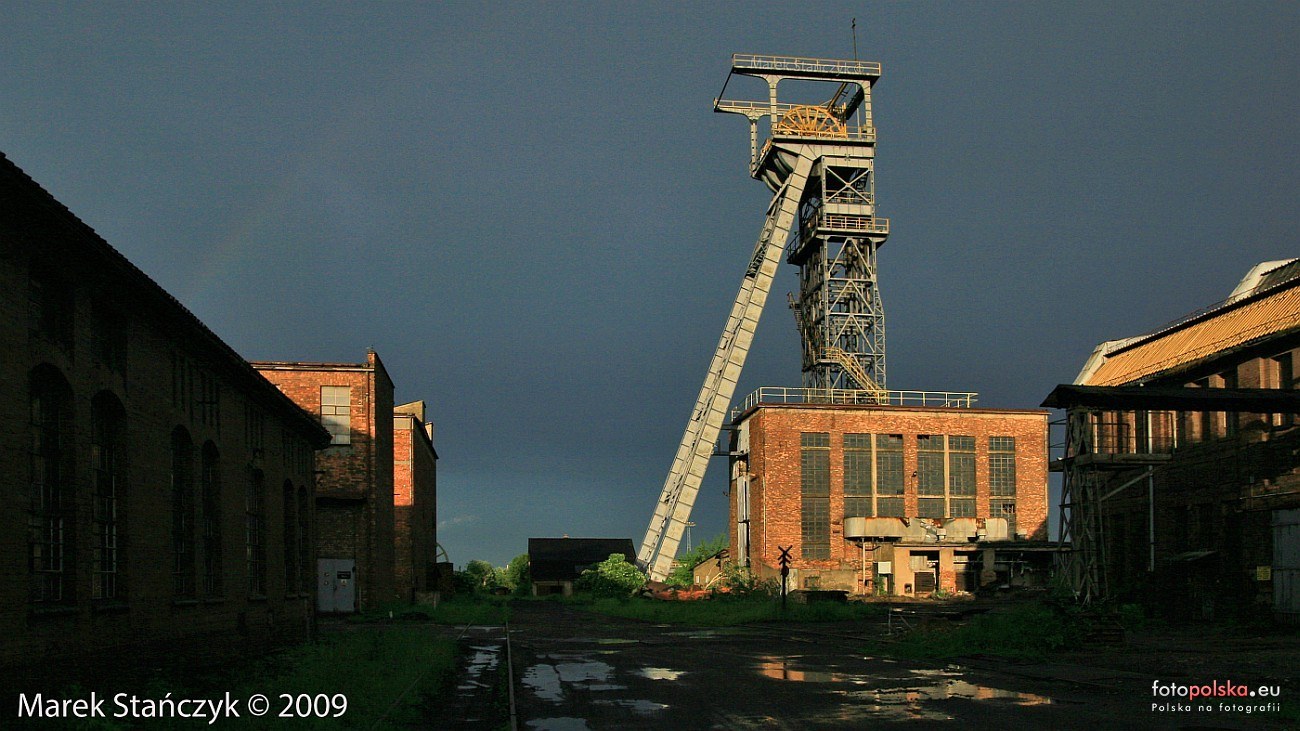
[(747, 62), (855, 397)]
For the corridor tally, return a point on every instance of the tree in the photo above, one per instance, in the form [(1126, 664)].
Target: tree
[(613, 577), (480, 574), (517, 576), (682, 573)]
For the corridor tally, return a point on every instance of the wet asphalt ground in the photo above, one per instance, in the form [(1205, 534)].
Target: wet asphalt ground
[(574, 670)]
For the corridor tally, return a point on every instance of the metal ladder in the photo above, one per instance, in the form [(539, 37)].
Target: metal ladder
[(673, 510)]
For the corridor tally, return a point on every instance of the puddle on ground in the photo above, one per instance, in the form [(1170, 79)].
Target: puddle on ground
[(559, 724), (641, 708), (484, 660), (900, 698), (660, 673), (547, 681)]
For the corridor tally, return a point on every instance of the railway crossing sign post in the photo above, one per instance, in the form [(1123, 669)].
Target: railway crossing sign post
[(784, 560)]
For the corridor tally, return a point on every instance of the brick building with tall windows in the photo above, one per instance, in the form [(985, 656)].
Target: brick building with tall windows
[(355, 540), (156, 490), (889, 499)]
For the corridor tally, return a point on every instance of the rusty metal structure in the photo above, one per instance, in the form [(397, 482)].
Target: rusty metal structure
[(819, 164)]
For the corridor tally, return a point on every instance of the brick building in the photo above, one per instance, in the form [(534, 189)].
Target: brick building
[(354, 488), (899, 500), (156, 489), (415, 494), (1181, 469)]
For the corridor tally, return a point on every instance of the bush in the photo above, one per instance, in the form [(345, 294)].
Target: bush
[(613, 577), (740, 581)]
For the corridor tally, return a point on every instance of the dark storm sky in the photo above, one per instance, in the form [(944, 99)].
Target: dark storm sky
[(532, 215)]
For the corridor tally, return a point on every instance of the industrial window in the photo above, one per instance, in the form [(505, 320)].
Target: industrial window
[(255, 533), (857, 475), (109, 328), (290, 534), (335, 407), (961, 466), (254, 429), (1000, 508), (889, 475), (961, 477), (1002, 466), (815, 484), (929, 466), (51, 550), (210, 479), (182, 384), (182, 514), (107, 424), (209, 404)]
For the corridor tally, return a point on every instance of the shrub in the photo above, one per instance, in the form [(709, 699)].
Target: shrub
[(613, 577)]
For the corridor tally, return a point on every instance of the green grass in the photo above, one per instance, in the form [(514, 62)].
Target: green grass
[(389, 674), (1025, 632), (725, 611)]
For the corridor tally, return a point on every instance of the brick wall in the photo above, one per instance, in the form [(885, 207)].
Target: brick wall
[(355, 481), (774, 469), (157, 344), (415, 503)]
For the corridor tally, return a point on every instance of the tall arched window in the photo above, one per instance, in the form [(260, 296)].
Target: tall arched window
[(107, 450), (290, 540), (51, 540), (255, 533), (210, 484), (306, 570), (182, 514)]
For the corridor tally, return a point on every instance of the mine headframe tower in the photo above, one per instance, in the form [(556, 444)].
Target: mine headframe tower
[(819, 163)]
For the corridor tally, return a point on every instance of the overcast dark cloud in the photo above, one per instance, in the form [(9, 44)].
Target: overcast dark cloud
[(530, 212)]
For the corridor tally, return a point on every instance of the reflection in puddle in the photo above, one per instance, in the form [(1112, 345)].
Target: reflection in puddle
[(660, 673), (483, 660), (547, 681), (643, 708), (559, 724), (901, 698), (783, 669)]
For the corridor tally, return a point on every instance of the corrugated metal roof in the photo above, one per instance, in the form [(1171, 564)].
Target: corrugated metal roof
[(1273, 313)]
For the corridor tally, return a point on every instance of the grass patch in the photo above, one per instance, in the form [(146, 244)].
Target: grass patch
[(1024, 632), (373, 667), (459, 609), (725, 611)]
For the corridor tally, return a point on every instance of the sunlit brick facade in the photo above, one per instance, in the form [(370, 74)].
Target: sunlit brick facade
[(415, 495), (928, 477), (354, 495)]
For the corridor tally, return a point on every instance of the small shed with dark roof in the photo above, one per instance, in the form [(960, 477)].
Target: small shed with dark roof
[(555, 563)]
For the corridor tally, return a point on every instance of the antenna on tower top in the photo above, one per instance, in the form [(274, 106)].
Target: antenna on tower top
[(854, 26)]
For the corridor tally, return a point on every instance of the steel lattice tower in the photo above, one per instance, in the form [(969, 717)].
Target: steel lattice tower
[(819, 165)]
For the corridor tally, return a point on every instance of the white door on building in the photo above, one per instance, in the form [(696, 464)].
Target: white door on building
[(336, 589)]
